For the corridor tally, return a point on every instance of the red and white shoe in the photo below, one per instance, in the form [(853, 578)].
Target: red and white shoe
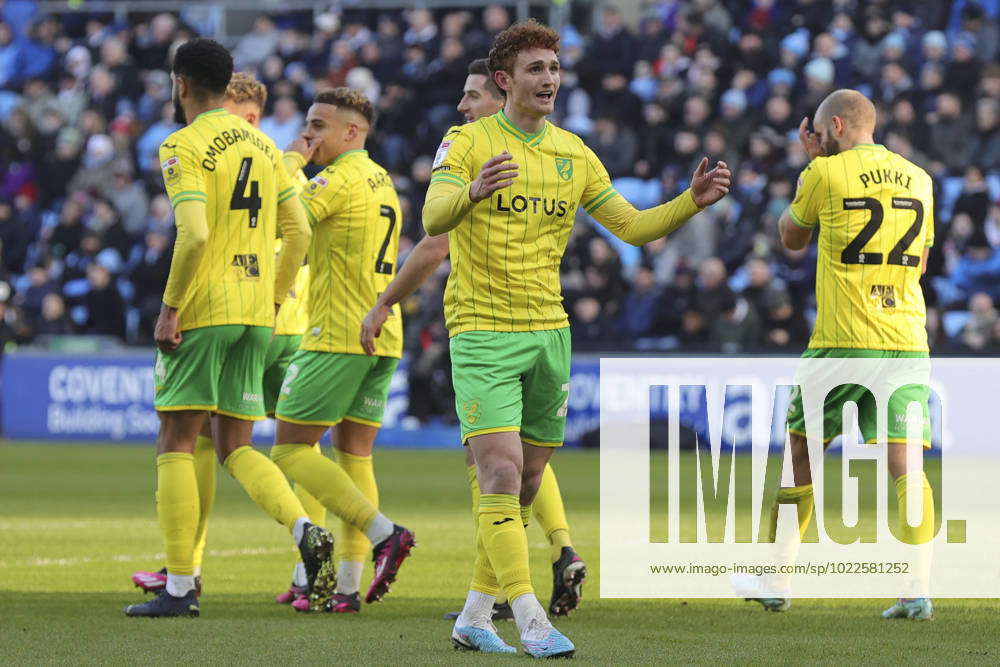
[(150, 582), (291, 595), (388, 556)]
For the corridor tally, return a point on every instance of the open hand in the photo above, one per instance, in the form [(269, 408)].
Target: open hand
[(371, 326), (708, 187), (496, 174)]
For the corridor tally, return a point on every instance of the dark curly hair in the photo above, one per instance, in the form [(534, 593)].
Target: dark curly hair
[(519, 37), (347, 98), (205, 63)]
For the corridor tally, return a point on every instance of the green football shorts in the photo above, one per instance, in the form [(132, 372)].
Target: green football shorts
[(323, 388), (833, 407), (279, 355), (512, 381), (215, 368)]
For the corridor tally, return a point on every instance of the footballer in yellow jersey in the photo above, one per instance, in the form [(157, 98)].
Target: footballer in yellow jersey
[(873, 211), (355, 214), (506, 189), (230, 195), (245, 97), (481, 98)]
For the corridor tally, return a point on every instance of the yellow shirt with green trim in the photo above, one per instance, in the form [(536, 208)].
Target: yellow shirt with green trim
[(293, 317), (356, 218), (875, 214), (505, 254), (236, 170)]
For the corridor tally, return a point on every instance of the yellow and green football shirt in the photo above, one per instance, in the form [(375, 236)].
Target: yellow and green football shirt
[(236, 170), (875, 212), (506, 252), (355, 215), (293, 318)]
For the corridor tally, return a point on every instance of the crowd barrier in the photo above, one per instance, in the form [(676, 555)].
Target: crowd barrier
[(109, 398)]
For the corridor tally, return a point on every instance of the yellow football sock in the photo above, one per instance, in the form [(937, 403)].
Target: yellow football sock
[(925, 531), (353, 545), (204, 473), (484, 579), (525, 515), (802, 498), (505, 542), (474, 490), (313, 507), (265, 484), (326, 481), (551, 514), (177, 508)]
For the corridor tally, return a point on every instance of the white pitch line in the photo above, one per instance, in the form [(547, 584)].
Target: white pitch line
[(37, 561)]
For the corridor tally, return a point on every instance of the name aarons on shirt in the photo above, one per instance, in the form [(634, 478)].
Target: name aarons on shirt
[(522, 203), (220, 142)]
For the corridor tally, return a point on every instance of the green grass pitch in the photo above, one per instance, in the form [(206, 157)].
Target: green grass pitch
[(76, 520)]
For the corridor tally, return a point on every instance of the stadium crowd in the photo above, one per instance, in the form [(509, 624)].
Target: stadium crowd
[(86, 230)]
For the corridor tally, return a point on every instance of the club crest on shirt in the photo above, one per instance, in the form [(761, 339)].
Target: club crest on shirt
[(171, 170), (315, 185), (564, 166)]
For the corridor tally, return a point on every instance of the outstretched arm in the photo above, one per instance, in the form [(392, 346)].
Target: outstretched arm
[(422, 261), (639, 227)]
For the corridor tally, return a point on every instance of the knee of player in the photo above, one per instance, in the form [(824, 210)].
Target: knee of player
[(499, 475)]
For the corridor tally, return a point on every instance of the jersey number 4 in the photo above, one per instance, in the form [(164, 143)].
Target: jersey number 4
[(240, 202), (855, 253), (382, 266)]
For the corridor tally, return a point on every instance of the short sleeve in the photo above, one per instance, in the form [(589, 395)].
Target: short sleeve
[(598, 190), (182, 173), (805, 207), (451, 162)]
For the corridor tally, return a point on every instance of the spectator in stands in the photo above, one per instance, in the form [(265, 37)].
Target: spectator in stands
[(256, 46), (53, 321), (978, 331), (102, 304), (284, 124), (82, 116), (640, 305)]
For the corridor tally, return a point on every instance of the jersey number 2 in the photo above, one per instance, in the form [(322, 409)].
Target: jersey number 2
[(855, 253), (382, 266), (240, 201)]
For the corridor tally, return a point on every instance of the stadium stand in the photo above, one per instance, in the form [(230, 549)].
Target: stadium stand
[(86, 231)]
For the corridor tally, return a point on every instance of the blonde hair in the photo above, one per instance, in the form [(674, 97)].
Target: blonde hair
[(244, 87)]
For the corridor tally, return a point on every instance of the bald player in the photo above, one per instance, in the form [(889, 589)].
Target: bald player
[(481, 98), (875, 214)]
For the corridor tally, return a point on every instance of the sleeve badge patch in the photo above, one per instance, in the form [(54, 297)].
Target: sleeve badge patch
[(442, 153), (171, 170)]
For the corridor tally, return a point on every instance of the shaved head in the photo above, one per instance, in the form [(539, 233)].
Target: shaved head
[(843, 119), (856, 110)]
